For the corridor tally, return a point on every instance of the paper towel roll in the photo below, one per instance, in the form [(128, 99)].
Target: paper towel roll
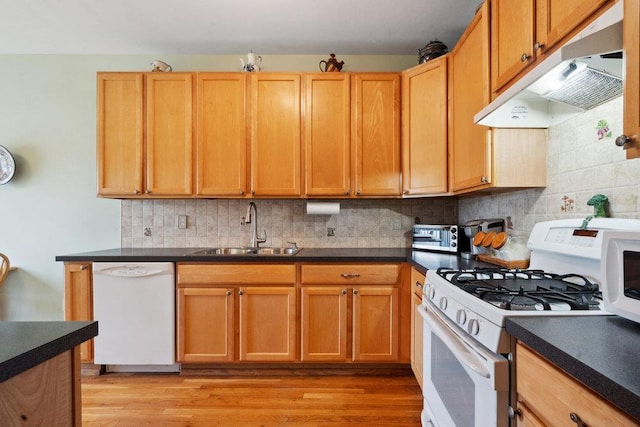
[(323, 208)]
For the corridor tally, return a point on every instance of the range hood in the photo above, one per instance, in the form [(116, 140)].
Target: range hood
[(582, 74)]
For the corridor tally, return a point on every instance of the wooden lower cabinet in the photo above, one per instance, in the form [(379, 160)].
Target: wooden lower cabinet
[(549, 397), (375, 324), (206, 324), (324, 321), (236, 312), (350, 312), (417, 285), (267, 324), (78, 299)]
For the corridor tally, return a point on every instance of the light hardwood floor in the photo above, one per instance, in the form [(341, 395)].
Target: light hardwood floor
[(174, 400)]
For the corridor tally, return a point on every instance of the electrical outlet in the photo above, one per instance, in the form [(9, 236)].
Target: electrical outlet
[(397, 224), (182, 221)]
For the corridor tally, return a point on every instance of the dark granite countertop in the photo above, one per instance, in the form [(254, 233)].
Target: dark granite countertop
[(27, 344), (602, 352), (421, 260)]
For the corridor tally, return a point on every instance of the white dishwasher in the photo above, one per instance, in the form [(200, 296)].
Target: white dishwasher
[(134, 304)]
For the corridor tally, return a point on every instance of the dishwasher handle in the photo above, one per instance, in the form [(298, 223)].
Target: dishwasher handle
[(133, 270)]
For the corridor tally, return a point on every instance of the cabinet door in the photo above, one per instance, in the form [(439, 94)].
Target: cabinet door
[(327, 134), (78, 300), (526, 418), (511, 51), (376, 134), (375, 323), (169, 127), (470, 154), (221, 134), (552, 395), (424, 125), (631, 42), (417, 324), (120, 133), (267, 324), (324, 323), (205, 325), (557, 18), (275, 134)]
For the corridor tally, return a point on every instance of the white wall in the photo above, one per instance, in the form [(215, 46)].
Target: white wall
[(47, 120)]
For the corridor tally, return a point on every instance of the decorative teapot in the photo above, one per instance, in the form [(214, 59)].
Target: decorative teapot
[(253, 62), (331, 65)]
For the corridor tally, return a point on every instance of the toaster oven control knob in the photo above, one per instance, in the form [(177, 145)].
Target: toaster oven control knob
[(461, 317), (443, 303), (473, 327)]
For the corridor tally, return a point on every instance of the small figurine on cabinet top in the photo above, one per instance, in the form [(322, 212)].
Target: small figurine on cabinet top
[(158, 65)]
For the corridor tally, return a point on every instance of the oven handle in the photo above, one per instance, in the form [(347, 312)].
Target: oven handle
[(452, 341)]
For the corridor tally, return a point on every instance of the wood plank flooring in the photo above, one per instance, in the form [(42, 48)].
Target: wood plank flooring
[(118, 399)]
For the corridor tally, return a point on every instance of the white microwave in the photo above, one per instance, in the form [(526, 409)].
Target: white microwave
[(621, 273)]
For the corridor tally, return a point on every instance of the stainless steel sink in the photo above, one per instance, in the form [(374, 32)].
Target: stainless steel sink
[(245, 251)]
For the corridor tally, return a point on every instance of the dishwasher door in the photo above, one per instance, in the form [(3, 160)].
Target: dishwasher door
[(134, 304)]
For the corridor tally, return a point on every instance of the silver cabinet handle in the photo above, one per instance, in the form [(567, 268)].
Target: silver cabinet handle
[(350, 275), (83, 267), (240, 292), (538, 46), (623, 141), (355, 292), (344, 292), (228, 293), (576, 419), (419, 285), (484, 180), (524, 57)]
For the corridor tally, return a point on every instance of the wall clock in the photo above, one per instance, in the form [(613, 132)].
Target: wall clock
[(7, 165)]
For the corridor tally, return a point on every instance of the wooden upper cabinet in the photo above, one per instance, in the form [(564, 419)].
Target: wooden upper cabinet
[(276, 134), (376, 134), (556, 19), (424, 128), (469, 144), (169, 134), (120, 133), (327, 134), (631, 42), (512, 39), (221, 134), (523, 31)]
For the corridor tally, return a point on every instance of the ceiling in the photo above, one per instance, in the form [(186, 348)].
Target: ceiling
[(216, 27)]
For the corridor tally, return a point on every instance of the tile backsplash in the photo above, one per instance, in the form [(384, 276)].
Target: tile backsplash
[(211, 223), (582, 160)]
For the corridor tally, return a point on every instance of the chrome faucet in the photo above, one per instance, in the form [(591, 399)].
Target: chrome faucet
[(252, 218)]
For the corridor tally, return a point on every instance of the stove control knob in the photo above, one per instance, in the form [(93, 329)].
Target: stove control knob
[(461, 317), (432, 293), (473, 327), (443, 303)]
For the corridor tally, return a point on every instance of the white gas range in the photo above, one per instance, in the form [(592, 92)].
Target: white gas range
[(467, 377)]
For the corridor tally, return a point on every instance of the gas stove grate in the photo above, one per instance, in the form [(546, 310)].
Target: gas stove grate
[(514, 289)]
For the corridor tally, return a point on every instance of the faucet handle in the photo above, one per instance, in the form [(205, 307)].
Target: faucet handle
[(293, 245)]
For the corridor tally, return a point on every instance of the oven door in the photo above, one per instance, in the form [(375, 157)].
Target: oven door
[(464, 384)]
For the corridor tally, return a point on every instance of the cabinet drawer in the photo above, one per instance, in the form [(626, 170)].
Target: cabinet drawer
[(236, 274), (351, 274), (553, 395)]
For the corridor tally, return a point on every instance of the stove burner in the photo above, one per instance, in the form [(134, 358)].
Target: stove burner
[(526, 289)]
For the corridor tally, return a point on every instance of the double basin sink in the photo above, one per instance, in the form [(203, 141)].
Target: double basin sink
[(245, 251)]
